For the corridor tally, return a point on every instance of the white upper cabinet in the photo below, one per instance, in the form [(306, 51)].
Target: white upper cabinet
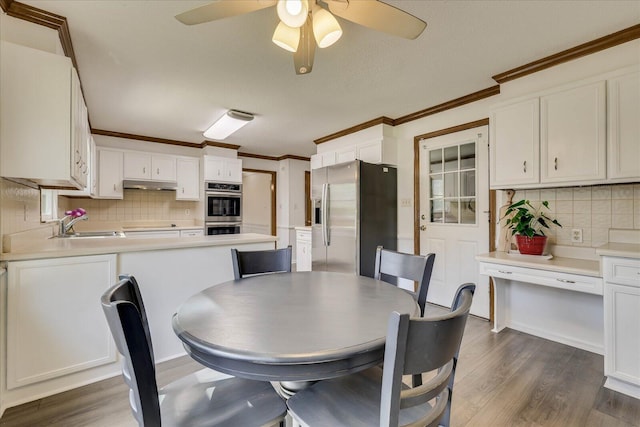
[(584, 133), (188, 174), (44, 130), (109, 174), (222, 169), (382, 151), (624, 127), (146, 166), (573, 135), (514, 144)]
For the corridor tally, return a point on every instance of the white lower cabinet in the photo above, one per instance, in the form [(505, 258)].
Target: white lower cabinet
[(192, 233), (303, 249), (622, 324), (55, 324)]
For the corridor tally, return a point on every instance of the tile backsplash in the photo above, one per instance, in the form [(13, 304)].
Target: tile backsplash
[(593, 209), (137, 205), (19, 207)]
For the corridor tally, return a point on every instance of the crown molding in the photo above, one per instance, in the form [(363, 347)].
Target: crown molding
[(45, 18), (273, 158), (145, 138), (584, 49), (219, 145), (454, 103)]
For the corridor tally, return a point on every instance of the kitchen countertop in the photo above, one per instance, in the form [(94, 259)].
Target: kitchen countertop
[(625, 250), (58, 248), (585, 267)]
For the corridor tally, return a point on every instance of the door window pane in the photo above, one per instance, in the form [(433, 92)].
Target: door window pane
[(452, 184), (468, 156), (451, 159), (451, 211), (435, 161), (467, 211), (468, 183), (437, 187)]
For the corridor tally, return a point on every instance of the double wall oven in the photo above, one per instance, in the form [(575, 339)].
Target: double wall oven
[(223, 208)]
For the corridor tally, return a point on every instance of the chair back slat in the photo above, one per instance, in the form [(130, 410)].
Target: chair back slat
[(247, 263), (124, 310)]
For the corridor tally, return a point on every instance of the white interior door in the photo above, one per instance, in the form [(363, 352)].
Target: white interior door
[(454, 213)]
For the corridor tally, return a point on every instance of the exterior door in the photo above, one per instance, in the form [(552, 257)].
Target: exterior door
[(454, 213)]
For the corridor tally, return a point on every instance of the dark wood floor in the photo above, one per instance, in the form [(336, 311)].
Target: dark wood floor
[(506, 379)]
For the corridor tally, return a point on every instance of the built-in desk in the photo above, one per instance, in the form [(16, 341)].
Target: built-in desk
[(559, 299)]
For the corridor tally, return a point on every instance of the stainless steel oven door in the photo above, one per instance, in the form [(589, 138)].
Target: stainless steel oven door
[(212, 229), (223, 207)]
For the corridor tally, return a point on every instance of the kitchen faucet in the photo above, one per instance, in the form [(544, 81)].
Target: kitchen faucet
[(76, 216)]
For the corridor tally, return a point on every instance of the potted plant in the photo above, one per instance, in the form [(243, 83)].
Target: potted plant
[(527, 223)]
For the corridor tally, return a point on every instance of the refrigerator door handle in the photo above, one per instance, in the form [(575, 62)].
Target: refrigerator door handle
[(325, 215)]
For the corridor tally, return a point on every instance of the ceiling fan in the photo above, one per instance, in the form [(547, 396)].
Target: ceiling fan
[(305, 24)]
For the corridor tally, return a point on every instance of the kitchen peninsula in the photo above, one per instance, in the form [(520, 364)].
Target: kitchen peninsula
[(44, 353)]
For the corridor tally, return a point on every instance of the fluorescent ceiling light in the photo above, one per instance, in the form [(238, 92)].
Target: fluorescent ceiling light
[(286, 37), (293, 12), (326, 29), (228, 124)]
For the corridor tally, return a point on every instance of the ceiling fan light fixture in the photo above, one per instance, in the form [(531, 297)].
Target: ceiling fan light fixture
[(293, 12), (229, 123), (286, 37), (326, 28)]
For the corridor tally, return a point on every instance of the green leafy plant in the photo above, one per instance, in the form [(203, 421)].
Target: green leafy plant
[(528, 220)]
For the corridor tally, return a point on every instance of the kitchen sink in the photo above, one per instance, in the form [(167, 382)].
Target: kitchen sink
[(90, 235)]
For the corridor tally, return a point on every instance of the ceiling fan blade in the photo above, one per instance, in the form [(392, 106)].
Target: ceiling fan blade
[(303, 57), (379, 16), (222, 9)]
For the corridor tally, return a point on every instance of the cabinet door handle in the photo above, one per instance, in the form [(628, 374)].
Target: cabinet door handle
[(114, 187), (505, 272), (565, 281), (524, 166), (555, 163), (158, 171), (182, 190), (144, 169)]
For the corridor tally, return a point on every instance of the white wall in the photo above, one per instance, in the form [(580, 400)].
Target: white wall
[(256, 203), (39, 37)]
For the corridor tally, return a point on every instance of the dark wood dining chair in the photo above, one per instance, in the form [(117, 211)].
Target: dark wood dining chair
[(204, 398), (391, 265), (377, 396), (247, 263)]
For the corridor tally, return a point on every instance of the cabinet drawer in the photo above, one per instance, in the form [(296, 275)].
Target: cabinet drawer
[(625, 271), (553, 279), (303, 236)]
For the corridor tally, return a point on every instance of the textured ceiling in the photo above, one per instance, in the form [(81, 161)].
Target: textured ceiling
[(145, 73)]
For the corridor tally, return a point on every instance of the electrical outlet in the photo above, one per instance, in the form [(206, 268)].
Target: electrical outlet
[(187, 212), (576, 235), (405, 203)]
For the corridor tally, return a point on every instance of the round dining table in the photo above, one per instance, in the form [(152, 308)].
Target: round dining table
[(291, 328)]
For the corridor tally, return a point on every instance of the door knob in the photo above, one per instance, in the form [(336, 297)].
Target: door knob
[(423, 227), (423, 217)]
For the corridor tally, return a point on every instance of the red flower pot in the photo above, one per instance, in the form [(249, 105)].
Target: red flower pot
[(531, 245)]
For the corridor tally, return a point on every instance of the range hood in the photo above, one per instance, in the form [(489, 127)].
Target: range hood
[(149, 185)]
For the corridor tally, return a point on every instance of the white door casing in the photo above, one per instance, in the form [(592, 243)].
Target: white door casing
[(454, 213)]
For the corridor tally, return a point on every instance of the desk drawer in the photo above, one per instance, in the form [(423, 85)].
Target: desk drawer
[(570, 282), (624, 271)]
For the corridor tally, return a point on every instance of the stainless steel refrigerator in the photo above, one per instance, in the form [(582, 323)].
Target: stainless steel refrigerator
[(355, 210)]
